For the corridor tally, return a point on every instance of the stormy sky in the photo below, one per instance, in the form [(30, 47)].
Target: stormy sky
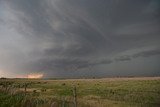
[(80, 38)]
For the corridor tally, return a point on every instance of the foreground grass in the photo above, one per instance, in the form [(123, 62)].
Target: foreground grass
[(90, 93)]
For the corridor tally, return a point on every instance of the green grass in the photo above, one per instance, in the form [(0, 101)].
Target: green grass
[(7, 100), (90, 93)]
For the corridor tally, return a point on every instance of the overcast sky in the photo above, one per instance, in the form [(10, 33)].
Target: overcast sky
[(80, 38)]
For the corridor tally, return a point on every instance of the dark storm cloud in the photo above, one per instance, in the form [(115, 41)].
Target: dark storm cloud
[(147, 53), (123, 58), (65, 64), (59, 36)]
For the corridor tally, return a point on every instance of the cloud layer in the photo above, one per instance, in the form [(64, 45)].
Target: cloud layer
[(62, 38)]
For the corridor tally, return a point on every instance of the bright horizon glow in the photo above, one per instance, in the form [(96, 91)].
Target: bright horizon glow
[(5, 74), (35, 75)]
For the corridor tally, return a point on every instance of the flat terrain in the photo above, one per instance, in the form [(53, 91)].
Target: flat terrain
[(104, 92)]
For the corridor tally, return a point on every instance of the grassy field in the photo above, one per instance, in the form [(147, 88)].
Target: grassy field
[(106, 92)]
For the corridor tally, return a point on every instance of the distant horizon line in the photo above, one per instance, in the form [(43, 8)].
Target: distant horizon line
[(58, 78)]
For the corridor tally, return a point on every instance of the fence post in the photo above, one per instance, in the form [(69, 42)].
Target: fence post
[(75, 96), (63, 103), (25, 87)]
